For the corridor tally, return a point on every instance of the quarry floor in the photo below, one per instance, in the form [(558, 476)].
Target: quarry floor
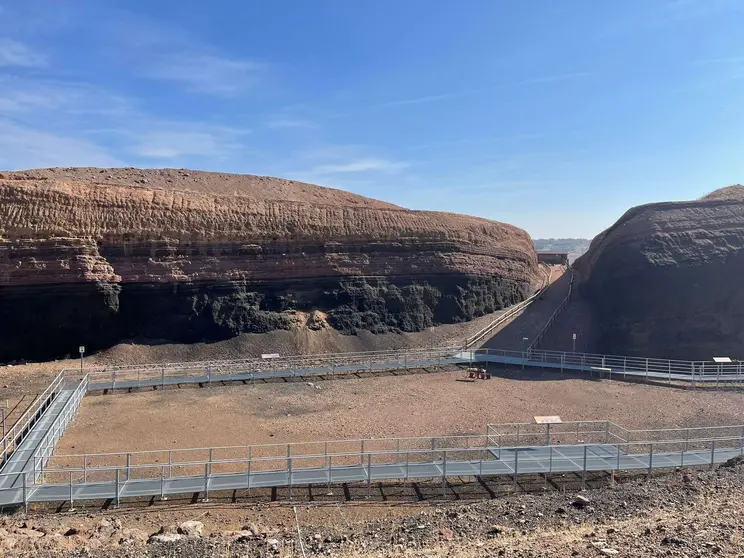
[(422, 404)]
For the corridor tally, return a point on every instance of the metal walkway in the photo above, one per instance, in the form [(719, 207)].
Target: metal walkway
[(504, 461), (125, 379), (617, 367), (21, 461)]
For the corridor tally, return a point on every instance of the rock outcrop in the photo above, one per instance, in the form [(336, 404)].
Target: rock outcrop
[(96, 256), (666, 279)]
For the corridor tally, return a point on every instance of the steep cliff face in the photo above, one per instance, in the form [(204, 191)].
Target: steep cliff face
[(667, 279), (94, 256)]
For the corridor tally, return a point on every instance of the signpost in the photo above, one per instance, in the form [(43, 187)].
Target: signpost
[(574, 342), (548, 420), (81, 348)]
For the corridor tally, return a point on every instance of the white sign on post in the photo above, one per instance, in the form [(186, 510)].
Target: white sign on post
[(574, 337), (81, 348), (554, 419)]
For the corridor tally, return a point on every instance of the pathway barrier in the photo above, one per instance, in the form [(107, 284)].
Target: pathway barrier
[(206, 470), (15, 435), (618, 367)]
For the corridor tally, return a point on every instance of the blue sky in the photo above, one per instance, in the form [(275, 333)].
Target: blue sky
[(555, 116)]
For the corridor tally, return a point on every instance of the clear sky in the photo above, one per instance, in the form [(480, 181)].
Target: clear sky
[(555, 116)]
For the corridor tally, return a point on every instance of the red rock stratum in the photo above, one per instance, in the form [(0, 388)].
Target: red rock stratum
[(102, 255)]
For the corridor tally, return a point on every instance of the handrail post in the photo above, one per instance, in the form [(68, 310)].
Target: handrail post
[(516, 467), (25, 495), (650, 459), (444, 474), (116, 488), (250, 461), (289, 471), (72, 501), (129, 465), (583, 472), (206, 483), (712, 454), (162, 483), (369, 474)]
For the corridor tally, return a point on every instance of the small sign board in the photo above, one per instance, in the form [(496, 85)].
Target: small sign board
[(721, 360), (555, 419), (271, 355), (574, 337), (81, 348)]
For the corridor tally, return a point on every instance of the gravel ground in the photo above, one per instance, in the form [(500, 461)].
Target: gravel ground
[(682, 514)]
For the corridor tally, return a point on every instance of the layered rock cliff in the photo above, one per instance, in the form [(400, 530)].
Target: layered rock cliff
[(667, 280), (95, 256)]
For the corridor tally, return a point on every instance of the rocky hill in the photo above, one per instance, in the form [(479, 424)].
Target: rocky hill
[(666, 279), (96, 256)]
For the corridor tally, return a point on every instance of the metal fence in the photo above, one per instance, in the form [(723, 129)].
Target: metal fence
[(14, 436), (619, 367), (510, 313), (554, 316), (45, 448), (207, 470), (263, 368)]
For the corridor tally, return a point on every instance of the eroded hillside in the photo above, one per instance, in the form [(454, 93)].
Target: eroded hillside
[(100, 255), (665, 280)]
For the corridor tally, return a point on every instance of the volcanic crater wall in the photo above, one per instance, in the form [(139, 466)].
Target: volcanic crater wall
[(667, 280), (97, 256)]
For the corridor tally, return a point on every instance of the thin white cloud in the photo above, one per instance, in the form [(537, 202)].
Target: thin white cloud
[(361, 165), (14, 53), (208, 74), (475, 91), (22, 147), (280, 123), (33, 95), (176, 140)]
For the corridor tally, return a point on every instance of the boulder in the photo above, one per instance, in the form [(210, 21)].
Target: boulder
[(191, 528)]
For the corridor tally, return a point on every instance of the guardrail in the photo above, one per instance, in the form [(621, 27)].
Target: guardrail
[(263, 368), (562, 306), (332, 462), (617, 366), (15, 435), (507, 315), (45, 448)]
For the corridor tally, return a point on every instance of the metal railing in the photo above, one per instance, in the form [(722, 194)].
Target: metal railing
[(15, 435), (46, 445), (554, 316), (263, 368), (510, 313), (619, 367), (460, 456)]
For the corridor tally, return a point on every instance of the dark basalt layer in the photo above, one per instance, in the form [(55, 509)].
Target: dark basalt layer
[(100, 315), (667, 280)]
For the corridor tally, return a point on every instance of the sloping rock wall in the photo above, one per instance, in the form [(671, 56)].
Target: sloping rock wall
[(95, 256), (667, 280)]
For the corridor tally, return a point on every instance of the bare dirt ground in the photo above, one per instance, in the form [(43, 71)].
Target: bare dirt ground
[(406, 405)]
